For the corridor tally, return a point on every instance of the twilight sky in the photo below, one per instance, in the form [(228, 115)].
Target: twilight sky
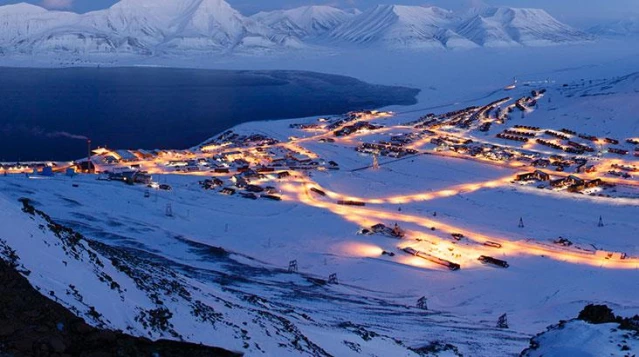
[(575, 12)]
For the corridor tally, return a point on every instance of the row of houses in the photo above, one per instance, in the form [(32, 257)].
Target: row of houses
[(581, 147), (576, 184), (572, 183), (578, 187), (627, 168), (618, 151), (353, 116), (536, 175), (512, 137), (123, 156), (520, 132), (228, 191), (231, 139), (527, 127), (557, 135), (385, 149), (620, 174), (130, 177), (357, 127)]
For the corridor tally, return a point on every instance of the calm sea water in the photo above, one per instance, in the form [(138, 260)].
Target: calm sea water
[(44, 113)]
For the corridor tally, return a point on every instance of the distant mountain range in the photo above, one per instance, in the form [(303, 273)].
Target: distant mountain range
[(625, 27), (149, 27)]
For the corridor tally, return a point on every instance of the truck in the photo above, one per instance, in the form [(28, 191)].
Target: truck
[(493, 261), (448, 264), (318, 191)]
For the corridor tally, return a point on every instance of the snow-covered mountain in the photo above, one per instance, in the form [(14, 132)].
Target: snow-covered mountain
[(137, 26), (432, 27), (498, 27), (147, 27), (626, 27), (306, 21), (401, 26)]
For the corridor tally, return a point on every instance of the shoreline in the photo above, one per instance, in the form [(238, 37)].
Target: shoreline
[(166, 108)]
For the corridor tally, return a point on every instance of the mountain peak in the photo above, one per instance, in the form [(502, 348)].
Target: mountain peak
[(22, 8), (625, 27), (399, 26), (507, 26), (305, 21)]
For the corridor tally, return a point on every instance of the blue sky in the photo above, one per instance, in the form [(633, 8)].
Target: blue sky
[(576, 12)]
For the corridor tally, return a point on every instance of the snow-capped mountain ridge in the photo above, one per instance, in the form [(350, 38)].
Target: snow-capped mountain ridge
[(507, 26), (145, 27), (138, 26), (396, 26), (306, 21), (420, 27), (621, 28)]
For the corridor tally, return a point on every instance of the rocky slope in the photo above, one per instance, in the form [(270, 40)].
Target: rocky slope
[(32, 324), (596, 332), (144, 295)]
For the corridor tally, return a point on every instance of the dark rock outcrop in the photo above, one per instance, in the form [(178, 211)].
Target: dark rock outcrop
[(33, 325), (602, 314), (597, 314)]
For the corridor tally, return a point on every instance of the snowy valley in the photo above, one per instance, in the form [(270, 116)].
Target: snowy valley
[(462, 231)]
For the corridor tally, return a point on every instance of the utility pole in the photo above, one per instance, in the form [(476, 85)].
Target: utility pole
[(332, 279), (502, 321), (422, 303), (89, 156), (292, 266)]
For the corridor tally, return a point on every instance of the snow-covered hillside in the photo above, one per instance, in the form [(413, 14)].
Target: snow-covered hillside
[(303, 22), (602, 106), (115, 289), (496, 27), (146, 27), (397, 26), (581, 339), (201, 293)]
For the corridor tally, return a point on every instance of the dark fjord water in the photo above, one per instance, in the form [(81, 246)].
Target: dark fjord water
[(45, 112)]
